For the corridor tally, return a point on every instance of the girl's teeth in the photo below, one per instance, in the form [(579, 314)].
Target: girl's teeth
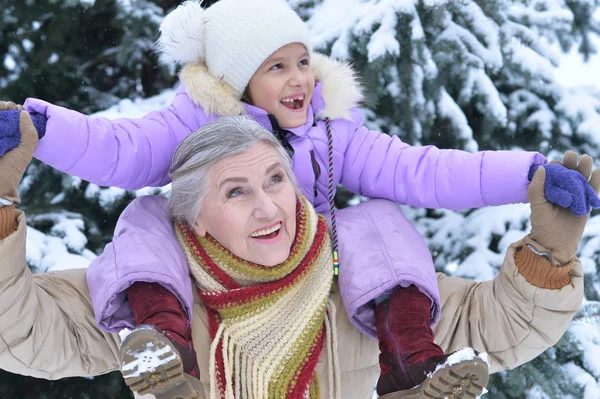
[(293, 103), (291, 100), (266, 231)]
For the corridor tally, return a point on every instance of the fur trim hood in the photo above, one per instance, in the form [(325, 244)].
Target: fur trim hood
[(340, 89)]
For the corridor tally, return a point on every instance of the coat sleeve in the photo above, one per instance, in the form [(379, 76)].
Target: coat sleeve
[(47, 327), (125, 153), (507, 317), (381, 166)]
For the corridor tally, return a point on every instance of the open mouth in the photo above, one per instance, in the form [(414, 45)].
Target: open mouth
[(265, 234), (293, 103)]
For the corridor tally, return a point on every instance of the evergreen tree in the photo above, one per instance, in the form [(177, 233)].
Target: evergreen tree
[(480, 75), (457, 74), (85, 55)]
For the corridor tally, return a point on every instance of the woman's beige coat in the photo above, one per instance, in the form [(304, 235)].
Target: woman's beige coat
[(47, 326)]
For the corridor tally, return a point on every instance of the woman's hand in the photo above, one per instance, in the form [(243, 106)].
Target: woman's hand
[(14, 162), (555, 229), (8, 105)]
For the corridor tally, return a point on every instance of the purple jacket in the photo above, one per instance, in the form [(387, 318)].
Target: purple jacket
[(134, 153)]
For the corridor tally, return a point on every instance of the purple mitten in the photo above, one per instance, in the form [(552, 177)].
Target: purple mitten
[(39, 121), (568, 188), (532, 171), (10, 136)]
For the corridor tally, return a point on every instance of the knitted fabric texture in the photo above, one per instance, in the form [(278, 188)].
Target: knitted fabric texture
[(269, 324), (568, 189), (232, 37), (10, 134), (539, 271)]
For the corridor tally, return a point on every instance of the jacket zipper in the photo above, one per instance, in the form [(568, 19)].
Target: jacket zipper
[(317, 172), (388, 330)]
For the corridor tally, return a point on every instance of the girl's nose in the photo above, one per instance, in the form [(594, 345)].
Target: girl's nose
[(297, 78)]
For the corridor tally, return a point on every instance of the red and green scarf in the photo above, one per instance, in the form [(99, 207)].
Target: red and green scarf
[(267, 323)]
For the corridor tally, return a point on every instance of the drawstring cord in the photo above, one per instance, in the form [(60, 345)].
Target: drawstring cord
[(331, 196)]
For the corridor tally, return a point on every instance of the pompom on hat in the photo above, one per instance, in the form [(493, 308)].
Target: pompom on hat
[(232, 37)]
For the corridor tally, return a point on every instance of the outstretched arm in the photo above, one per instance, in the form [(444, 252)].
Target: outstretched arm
[(381, 166), (529, 305), (509, 318), (126, 153), (47, 325)]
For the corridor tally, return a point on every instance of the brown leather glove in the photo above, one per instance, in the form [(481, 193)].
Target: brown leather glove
[(7, 105), (14, 163), (556, 230)]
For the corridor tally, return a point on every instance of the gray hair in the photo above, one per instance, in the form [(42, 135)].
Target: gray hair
[(198, 152)]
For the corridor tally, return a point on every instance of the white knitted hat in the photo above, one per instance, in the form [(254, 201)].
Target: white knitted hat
[(232, 37)]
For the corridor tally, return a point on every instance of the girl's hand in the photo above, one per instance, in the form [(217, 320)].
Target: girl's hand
[(9, 132), (569, 188), (9, 126), (10, 136), (566, 187), (14, 162)]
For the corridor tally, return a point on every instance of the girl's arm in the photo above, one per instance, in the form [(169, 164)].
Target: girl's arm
[(125, 153), (380, 166)]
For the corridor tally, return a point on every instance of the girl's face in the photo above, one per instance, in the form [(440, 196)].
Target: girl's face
[(283, 85)]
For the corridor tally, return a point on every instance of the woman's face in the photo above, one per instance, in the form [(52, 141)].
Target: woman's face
[(283, 85), (250, 207)]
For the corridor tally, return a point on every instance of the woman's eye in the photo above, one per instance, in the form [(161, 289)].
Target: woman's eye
[(278, 178), (277, 66), (234, 193), (305, 62)]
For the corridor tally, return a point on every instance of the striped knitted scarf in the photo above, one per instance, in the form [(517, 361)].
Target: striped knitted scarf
[(268, 324)]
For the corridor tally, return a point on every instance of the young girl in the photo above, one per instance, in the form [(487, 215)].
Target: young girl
[(254, 57)]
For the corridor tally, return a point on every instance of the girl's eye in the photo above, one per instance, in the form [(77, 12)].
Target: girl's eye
[(277, 66), (305, 62), (236, 192)]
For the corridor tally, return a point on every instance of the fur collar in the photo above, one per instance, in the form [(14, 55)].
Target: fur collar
[(340, 89)]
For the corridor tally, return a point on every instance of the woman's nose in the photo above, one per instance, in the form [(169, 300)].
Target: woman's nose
[(265, 207)]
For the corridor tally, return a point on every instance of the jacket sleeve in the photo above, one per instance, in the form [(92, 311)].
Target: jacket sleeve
[(381, 166), (125, 153), (507, 317), (47, 327)]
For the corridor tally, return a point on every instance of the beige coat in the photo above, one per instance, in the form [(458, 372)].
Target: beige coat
[(47, 326)]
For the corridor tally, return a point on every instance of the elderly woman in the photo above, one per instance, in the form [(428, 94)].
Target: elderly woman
[(264, 322)]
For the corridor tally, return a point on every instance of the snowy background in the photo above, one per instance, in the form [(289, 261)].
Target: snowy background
[(458, 74)]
